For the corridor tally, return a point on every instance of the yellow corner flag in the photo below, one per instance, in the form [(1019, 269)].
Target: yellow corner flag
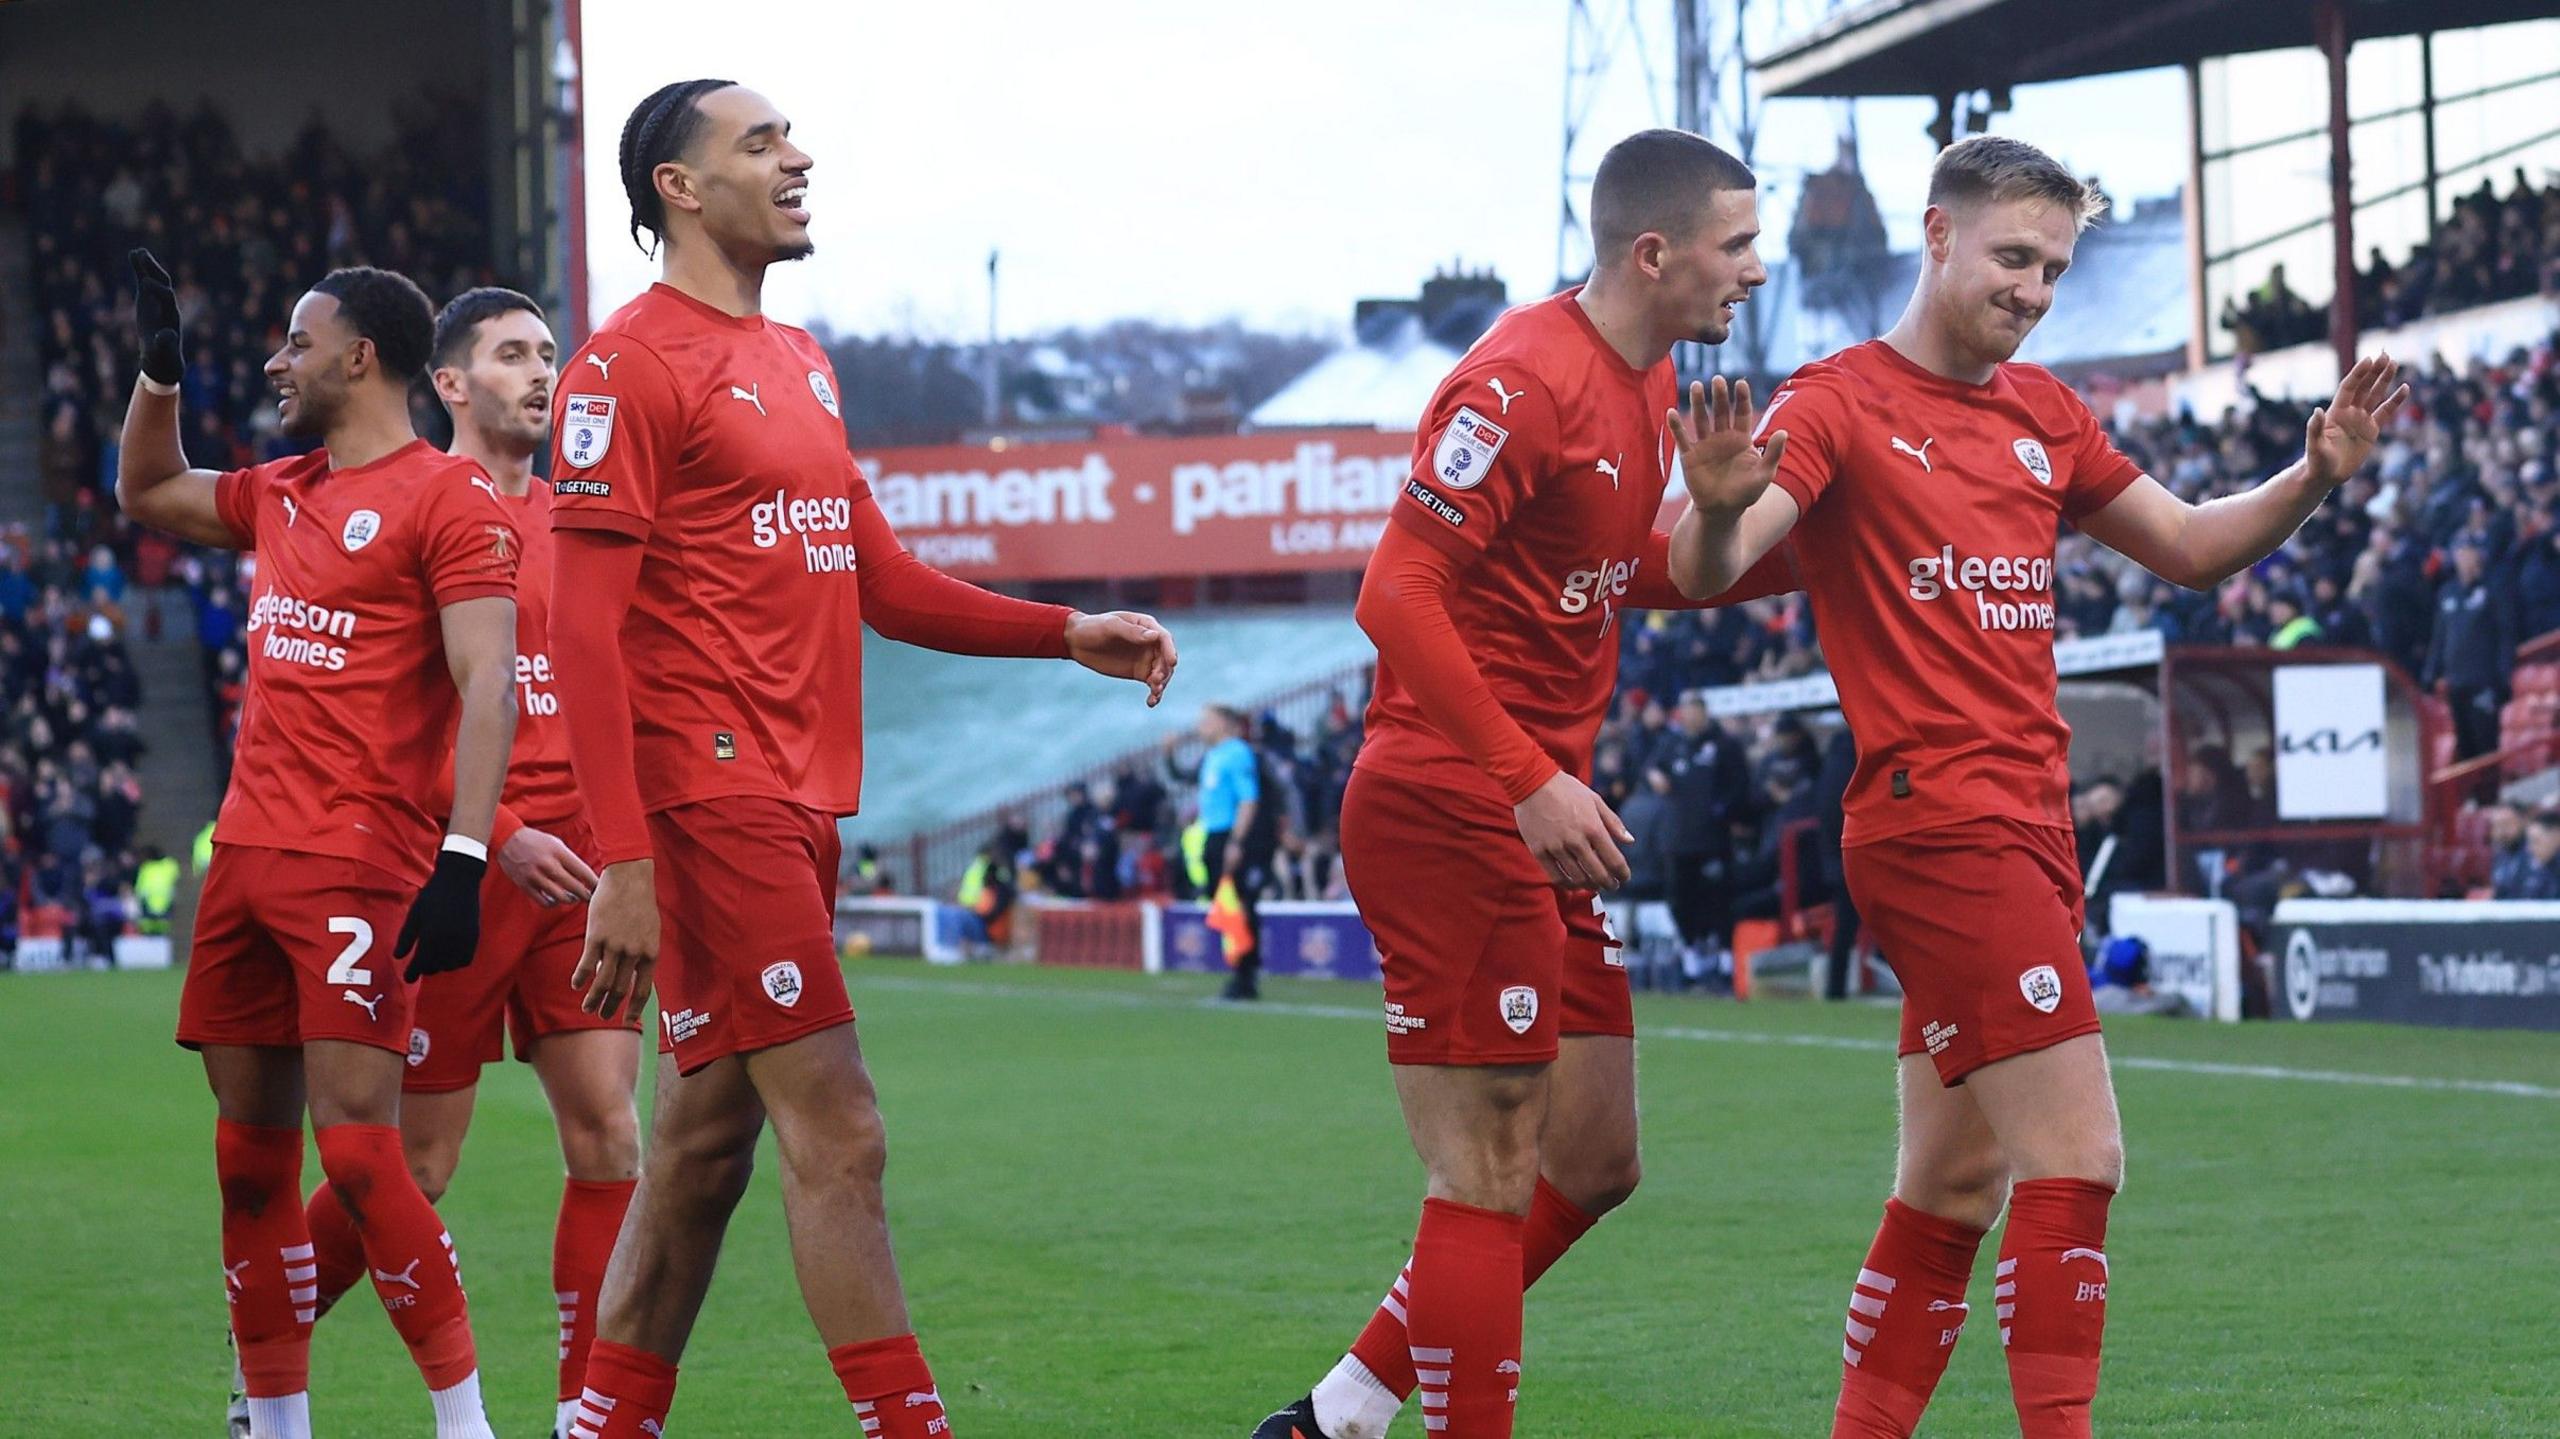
[(1226, 916)]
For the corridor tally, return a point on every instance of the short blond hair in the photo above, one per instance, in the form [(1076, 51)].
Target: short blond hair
[(1997, 168)]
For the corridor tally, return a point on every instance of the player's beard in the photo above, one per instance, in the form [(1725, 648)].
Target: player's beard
[(314, 409)]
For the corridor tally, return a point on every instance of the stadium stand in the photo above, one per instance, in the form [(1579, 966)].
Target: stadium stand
[(2487, 249), (94, 606)]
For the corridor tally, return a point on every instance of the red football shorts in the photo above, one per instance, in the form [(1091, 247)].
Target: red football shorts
[(518, 982), (293, 947), (747, 944), (1486, 962), (1981, 923)]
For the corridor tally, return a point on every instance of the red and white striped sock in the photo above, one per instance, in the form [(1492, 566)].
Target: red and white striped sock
[(1464, 1319), (408, 1250), (2053, 1302), (891, 1390), (266, 1256), (337, 1249), (581, 1246), (1905, 1314), (1360, 1398), (626, 1396)]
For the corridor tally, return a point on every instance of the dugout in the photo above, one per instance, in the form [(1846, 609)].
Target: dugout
[(509, 68), (2392, 109)]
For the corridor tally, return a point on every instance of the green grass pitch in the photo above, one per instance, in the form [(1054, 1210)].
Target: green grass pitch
[(1125, 1211)]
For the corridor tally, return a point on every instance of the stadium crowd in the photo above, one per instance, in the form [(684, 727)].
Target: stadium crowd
[(2487, 249), (69, 797), (240, 235)]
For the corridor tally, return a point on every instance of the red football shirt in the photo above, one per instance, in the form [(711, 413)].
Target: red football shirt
[(1539, 469), (350, 709), (715, 441), (540, 787), (1930, 508)]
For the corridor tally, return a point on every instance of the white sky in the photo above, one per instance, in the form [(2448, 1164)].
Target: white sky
[(1189, 160)]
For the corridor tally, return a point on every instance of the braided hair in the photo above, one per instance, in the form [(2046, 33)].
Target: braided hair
[(658, 131)]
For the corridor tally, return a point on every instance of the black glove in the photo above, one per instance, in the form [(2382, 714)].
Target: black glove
[(155, 319), (444, 923)]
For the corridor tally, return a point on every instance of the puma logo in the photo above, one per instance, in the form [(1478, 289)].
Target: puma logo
[(1507, 1366), (604, 364), (231, 1278), (1941, 1306), (484, 484), (749, 395), (2070, 1254), (1505, 396), (369, 1006), (1609, 468), (929, 1396), (408, 1276), (290, 512), (1921, 454)]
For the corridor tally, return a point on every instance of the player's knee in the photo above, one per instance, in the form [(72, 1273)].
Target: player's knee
[(434, 1174), (1969, 1189), (852, 1154), (600, 1148), (1611, 1184)]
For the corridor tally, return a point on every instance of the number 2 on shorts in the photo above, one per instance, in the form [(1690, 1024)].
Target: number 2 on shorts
[(360, 933)]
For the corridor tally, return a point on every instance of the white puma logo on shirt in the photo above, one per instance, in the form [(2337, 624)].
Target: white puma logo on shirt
[(1921, 454), (1609, 468), (1505, 396), (604, 364), (290, 512), (749, 395)]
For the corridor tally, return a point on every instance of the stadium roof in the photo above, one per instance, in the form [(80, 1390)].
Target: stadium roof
[(1386, 383), (1945, 47)]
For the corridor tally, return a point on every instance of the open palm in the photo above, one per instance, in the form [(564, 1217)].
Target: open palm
[(2340, 435), (1723, 469)]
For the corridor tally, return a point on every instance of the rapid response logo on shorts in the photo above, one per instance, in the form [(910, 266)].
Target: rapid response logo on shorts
[(1519, 1008), (782, 983), (2042, 987)]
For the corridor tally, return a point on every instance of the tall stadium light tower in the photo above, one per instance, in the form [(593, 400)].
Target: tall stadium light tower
[(1598, 35)]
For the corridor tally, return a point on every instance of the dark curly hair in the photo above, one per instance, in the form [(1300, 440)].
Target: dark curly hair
[(388, 308)]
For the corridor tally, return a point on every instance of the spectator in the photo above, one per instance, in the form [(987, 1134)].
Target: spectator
[(2464, 657), (1710, 783), (2533, 871)]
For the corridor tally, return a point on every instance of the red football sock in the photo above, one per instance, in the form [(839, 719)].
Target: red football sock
[(2053, 1302), (1554, 1223), (892, 1391), (581, 1246), (266, 1255), (1464, 1319), (335, 1244), (407, 1248), (625, 1389), (1904, 1315)]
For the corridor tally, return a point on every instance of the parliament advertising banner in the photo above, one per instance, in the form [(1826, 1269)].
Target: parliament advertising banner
[(2330, 759), (1107, 508), (2486, 964)]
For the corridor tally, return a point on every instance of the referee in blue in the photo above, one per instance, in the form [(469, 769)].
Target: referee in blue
[(1242, 827)]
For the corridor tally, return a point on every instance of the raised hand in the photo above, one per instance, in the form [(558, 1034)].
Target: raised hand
[(1724, 470), (2341, 434), (155, 319)]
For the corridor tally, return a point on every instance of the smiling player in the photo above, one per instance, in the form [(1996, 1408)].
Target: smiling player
[(726, 554), (1920, 480)]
